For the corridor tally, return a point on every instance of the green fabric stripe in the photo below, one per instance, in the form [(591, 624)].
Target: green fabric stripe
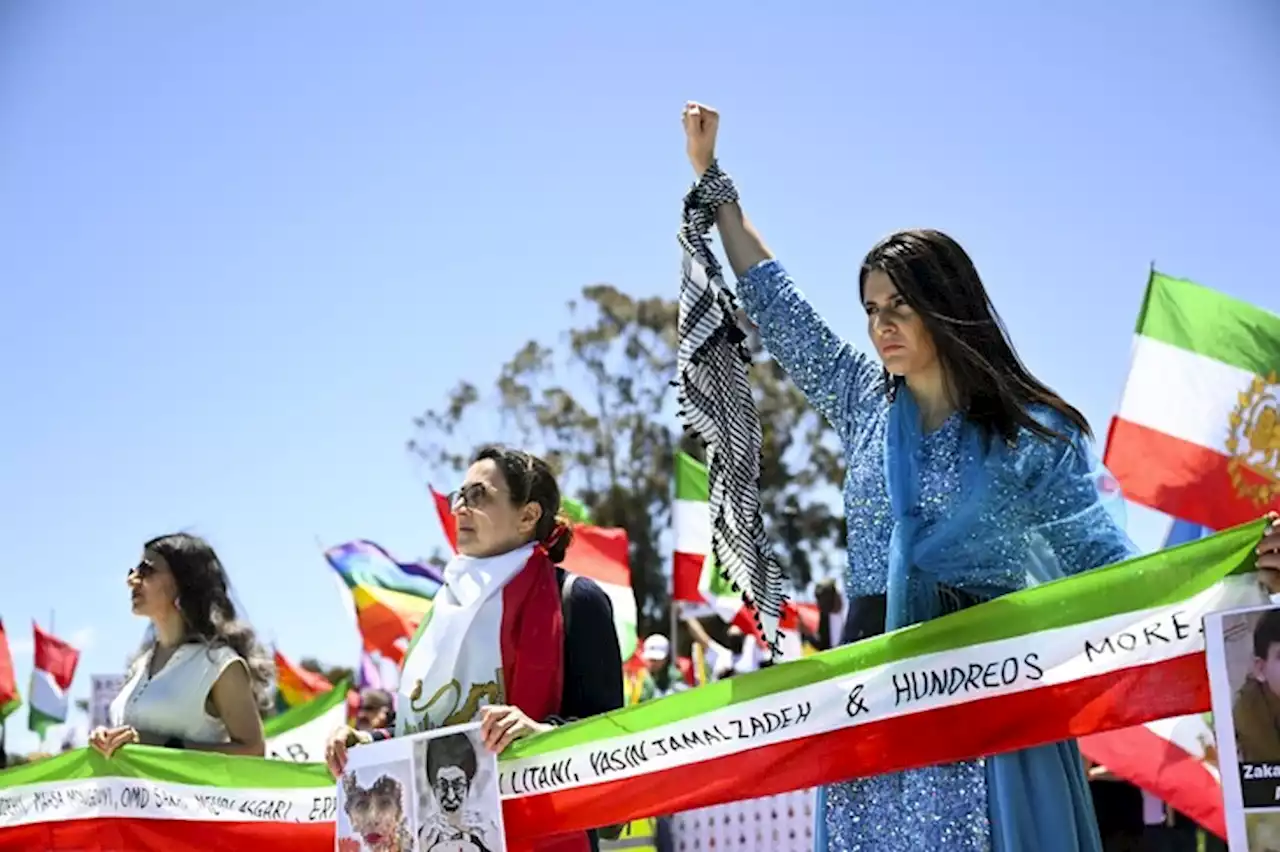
[(1189, 316), (8, 709), (201, 769), (308, 712), (1158, 579), (691, 478), (422, 628), (576, 510), (41, 722)]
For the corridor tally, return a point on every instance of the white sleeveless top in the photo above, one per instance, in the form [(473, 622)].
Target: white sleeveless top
[(172, 703)]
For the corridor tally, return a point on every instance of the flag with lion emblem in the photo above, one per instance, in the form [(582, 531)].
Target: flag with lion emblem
[(1198, 431)]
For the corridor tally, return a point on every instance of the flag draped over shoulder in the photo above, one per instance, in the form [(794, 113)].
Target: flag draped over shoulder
[(51, 676), (1197, 430), (601, 554)]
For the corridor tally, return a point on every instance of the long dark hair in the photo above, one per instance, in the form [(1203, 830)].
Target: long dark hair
[(531, 480), (988, 381), (206, 607)]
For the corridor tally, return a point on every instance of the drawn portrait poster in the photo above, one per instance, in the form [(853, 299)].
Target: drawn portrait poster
[(431, 792), (1242, 651)]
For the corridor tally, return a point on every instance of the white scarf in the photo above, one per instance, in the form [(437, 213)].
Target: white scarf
[(455, 665)]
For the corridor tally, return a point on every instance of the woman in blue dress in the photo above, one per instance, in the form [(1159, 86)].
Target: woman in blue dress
[(967, 478)]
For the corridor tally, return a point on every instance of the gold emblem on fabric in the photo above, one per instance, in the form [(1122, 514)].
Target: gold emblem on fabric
[(1253, 442)]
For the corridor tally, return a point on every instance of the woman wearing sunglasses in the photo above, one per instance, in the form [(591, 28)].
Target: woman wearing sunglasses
[(201, 681), (512, 639)]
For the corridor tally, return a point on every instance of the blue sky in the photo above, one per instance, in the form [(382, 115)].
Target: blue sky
[(242, 245)]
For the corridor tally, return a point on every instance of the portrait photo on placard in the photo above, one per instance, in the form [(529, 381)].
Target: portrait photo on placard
[(1251, 649), (376, 807), (459, 809), (1263, 830)]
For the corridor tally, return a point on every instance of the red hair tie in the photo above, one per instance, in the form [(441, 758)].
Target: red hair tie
[(557, 533)]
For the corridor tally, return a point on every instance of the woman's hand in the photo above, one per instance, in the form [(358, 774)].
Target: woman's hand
[(335, 750), (1269, 554), (700, 125), (106, 740), (502, 725)]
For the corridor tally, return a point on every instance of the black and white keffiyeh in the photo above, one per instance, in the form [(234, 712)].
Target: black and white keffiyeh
[(717, 406)]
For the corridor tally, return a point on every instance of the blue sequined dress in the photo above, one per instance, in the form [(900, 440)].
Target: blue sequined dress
[(946, 808)]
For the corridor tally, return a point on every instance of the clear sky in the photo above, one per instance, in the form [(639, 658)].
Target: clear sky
[(242, 245)]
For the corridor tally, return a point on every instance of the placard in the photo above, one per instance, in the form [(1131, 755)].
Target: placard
[(103, 691), (1242, 651), (431, 792)]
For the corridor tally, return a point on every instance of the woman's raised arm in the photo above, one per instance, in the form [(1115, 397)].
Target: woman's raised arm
[(836, 379)]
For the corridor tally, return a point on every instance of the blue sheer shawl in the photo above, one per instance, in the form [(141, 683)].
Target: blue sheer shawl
[(1051, 502)]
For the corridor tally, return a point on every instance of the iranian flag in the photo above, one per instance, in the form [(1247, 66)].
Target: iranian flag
[(697, 580), (1176, 759), (10, 698), (599, 553), (299, 734), (51, 675), (1107, 649), (1198, 431), (147, 799)]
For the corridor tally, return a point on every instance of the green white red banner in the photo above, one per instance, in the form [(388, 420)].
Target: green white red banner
[(1107, 649)]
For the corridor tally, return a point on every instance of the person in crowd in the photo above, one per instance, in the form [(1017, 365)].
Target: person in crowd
[(564, 662), (376, 710), (1256, 713), (661, 676), (949, 410), (202, 680), (830, 624)]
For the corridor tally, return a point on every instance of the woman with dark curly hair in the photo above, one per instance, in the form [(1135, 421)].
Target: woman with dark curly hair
[(202, 681)]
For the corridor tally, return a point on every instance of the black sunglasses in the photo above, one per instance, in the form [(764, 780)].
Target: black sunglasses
[(473, 496)]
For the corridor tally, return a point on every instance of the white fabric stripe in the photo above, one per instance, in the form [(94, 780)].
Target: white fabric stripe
[(140, 798), (623, 600), (1182, 394), (1004, 667), (691, 526), (46, 696), (306, 742)]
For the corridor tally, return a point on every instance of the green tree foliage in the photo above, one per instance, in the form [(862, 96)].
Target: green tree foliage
[(601, 409)]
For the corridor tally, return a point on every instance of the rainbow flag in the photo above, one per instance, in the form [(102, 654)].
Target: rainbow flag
[(390, 597), (296, 685)]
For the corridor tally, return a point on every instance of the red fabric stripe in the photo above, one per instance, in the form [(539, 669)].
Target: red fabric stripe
[(8, 681), (54, 656), (123, 834), (1142, 757), (532, 647), (989, 726), (445, 511), (1180, 478), (686, 570), (601, 553)]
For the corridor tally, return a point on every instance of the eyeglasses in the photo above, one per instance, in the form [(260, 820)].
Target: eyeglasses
[(473, 496)]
